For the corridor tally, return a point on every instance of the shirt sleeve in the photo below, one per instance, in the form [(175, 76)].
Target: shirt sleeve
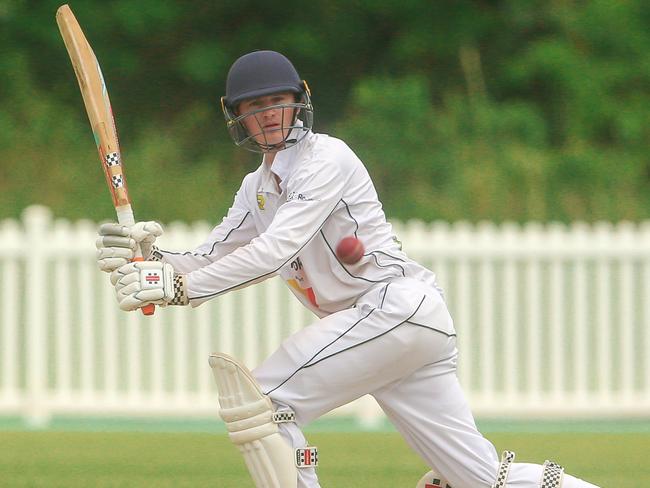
[(235, 230), (313, 193)]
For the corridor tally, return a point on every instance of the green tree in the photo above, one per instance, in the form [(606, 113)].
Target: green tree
[(462, 110)]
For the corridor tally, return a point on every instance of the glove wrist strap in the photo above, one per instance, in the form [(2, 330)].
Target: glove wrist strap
[(155, 254), (180, 291)]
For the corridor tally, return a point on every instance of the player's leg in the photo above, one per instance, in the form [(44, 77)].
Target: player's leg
[(326, 365), (357, 351), (429, 410), (439, 426), (353, 352), (254, 424)]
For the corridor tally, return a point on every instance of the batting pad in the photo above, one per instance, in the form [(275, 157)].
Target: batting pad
[(249, 418)]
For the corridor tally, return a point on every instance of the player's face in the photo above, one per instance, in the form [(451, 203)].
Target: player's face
[(268, 127)]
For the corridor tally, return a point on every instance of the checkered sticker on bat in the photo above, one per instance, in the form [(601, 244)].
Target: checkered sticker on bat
[(113, 159), (117, 181)]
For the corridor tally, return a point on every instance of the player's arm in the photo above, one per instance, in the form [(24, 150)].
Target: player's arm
[(235, 230), (116, 243), (313, 194)]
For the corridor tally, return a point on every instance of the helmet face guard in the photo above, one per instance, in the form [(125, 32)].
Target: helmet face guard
[(296, 121), (258, 74)]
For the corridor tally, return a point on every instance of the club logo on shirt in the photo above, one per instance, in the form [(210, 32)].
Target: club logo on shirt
[(260, 201), (297, 279)]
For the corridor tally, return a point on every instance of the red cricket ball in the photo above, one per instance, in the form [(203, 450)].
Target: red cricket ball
[(350, 250)]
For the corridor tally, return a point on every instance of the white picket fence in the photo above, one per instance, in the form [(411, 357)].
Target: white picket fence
[(551, 320)]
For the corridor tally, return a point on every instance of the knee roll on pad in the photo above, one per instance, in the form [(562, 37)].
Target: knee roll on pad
[(252, 426)]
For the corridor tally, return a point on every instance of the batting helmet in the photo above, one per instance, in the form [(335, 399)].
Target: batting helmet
[(258, 74)]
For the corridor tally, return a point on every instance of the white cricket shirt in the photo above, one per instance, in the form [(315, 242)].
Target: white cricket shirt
[(292, 229)]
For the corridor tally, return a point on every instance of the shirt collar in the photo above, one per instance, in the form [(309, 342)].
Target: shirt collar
[(267, 183), (283, 165)]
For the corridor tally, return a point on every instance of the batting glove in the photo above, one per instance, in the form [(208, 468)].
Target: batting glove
[(143, 282), (116, 244)]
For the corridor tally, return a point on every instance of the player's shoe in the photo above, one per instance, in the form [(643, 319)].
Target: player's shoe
[(433, 480)]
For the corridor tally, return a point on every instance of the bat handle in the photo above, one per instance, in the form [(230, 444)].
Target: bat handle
[(150, 308)]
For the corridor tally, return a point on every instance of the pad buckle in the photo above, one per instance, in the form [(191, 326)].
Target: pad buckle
[(283, 417)]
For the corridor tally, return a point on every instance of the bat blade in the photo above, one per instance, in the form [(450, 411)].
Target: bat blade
[(100, 115)]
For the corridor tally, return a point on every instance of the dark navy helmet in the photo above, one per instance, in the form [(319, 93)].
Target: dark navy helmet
[(259, 74)]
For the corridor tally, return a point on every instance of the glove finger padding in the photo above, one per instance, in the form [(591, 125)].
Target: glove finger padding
[(119, 242), (143, 282), (111, 258), (115, 247), (145, 233), (116, 244), (114, 252), (111, 264), (114, 229), (126, 274), (131, 302)]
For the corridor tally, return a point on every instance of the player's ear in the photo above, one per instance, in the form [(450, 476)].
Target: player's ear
[(297, 98)]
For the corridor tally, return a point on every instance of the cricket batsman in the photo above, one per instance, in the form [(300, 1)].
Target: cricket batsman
[(383, 327)]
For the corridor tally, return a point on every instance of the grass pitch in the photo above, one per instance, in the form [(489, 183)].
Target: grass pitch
[(348, 460)]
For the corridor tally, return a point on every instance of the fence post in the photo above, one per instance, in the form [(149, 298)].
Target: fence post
[(11, 239), (36, 219)]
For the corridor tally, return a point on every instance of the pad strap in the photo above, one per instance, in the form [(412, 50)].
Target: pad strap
[(552, 475), (502, 475), (283, 417)]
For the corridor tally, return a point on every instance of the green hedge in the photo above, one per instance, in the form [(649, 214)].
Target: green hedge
[(503, 110)]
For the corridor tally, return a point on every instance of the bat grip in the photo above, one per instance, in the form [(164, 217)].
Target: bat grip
[(125, 217), (150, 308)]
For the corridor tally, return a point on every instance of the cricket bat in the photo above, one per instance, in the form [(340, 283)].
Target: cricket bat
[(100, 115)]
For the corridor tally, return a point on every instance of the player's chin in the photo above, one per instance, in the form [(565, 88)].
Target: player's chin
[(273, 137)]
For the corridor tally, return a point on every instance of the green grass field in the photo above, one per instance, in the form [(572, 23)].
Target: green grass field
[(348, 460)]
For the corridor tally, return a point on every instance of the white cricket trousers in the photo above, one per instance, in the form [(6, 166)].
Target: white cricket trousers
[(399, 345)]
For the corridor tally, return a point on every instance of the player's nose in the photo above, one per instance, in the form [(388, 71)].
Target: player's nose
[(269, 112)]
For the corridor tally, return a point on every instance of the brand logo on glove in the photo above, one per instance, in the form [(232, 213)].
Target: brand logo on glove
[(152, 278)]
